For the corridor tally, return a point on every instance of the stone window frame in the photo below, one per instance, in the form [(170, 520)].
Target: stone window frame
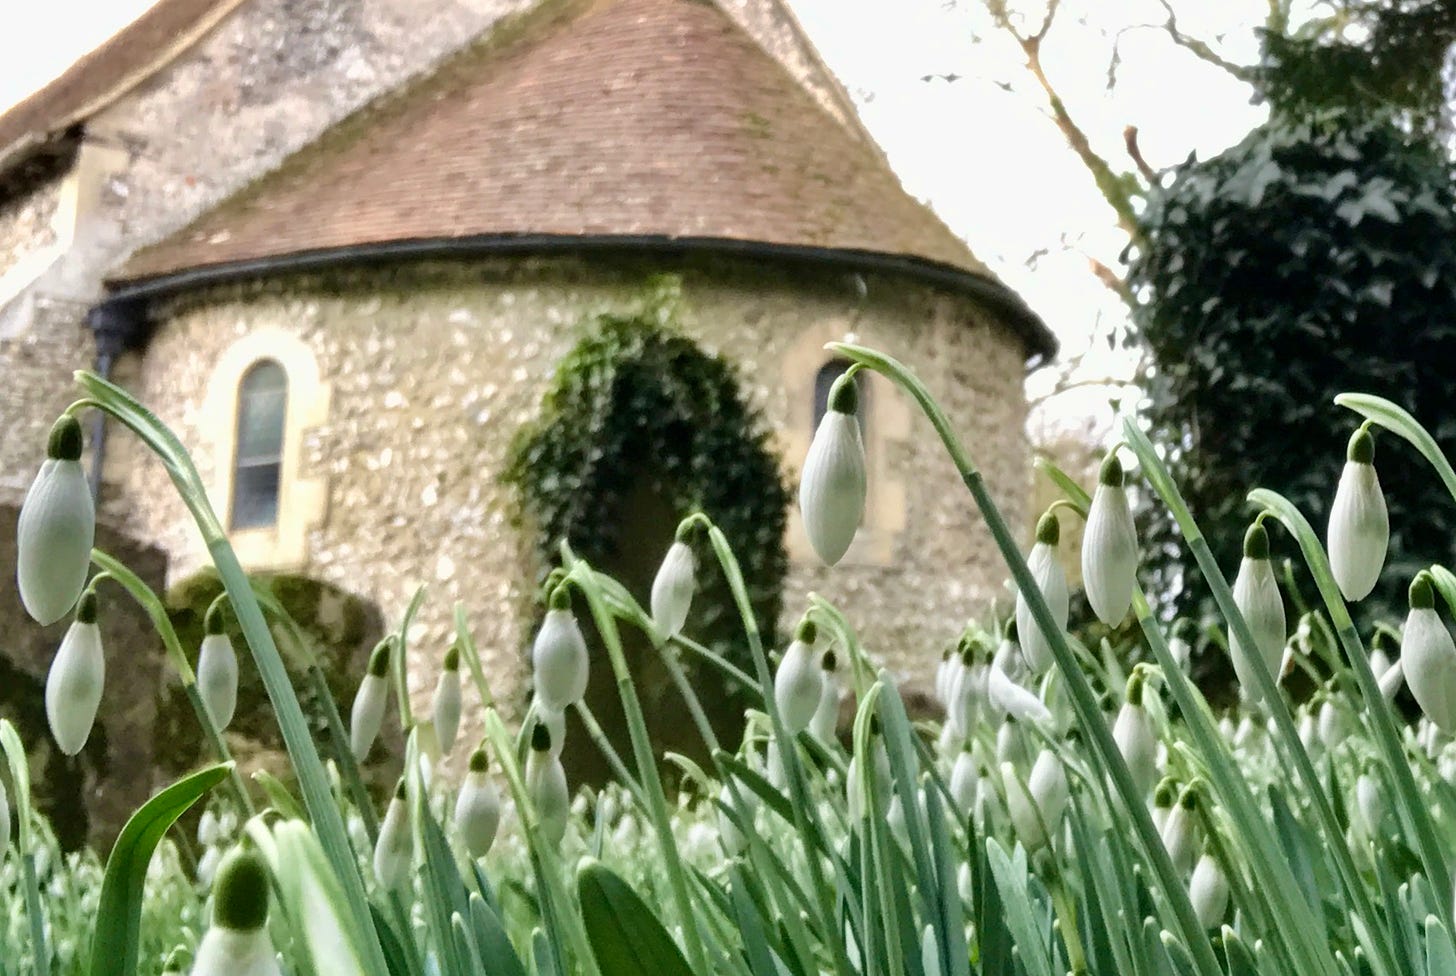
[(886, 428), (302, 502)]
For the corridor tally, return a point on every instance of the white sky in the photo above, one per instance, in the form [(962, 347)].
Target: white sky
[(988, 160)]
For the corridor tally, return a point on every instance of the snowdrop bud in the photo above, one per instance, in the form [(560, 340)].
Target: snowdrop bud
[(208, 831), (1370, 805), (546, 783), (1209, 892), (477, 808), (1428, 656), (1136, 740), (1256, 594), (824, 726), (1182, 652), (1011, 745), (968, 694), (207, 866), (1164, 797), (217, 671), (1012, 700), (799, 683), (1047, 572), (394, 850), (965, 783), (559, 656), (1109, 547), (1379, 662), (56, 530), (1391, 679), (1036, 808), (832, 486), (1008, 654), (367, 714), (447, 702), (237, 942), (942, 676), (672, 589), (1309, 733), (1180, 831), (1359, 528), (73, 687), (1331, 725)]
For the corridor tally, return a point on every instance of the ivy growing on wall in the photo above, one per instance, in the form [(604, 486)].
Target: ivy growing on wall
[(639, 428)]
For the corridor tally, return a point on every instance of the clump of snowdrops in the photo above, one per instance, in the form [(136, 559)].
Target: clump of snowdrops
[(1066, 816)]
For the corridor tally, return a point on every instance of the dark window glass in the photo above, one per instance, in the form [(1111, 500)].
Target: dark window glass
[(258, 465), (824, 382)]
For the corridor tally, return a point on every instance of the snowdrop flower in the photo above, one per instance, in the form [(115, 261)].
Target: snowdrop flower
[(1008, 655), (672, 589), (1256, 594), (1209, 892), (367, 715), (1036, 647), (237, 942), (1331, 725), (546, 783), (1359, 528), (1428, 656), (1370, 805), (209, 831), (217, 671), (1180, 831), (1012, 700), (446, 705), (1036, 809), (207, 866), (559, 656), (1136, 740), (394, 850), (1309, 733), (965, 783), (1109, 547), (943, 675), (799, 682), (477, 808), (1390, 680), (1011, 745), (824, 726), (73, 687), (1182, 652), (968, 693), (1163, 799), (832, 486), (56, 530), (555, 723)]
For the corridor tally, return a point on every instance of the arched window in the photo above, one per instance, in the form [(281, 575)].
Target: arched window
[(258, 461), (824, 382)]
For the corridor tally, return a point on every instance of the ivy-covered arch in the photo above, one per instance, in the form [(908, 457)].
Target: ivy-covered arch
[(639, 428)]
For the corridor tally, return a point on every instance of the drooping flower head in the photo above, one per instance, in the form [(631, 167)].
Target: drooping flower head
[(1428, 656), (1359, 527), (446, 704), (1256, 594), (833, 485), (1109, 547), (1051, 580), (799, 682), (217, 670), (478, 808), (237, 942), (367, 715), (672, 588), (559, 657), (76, 678), (56, 529), (546, 784)]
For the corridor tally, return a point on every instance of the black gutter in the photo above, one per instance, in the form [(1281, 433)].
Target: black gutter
[(117, 325), (1040, 342)]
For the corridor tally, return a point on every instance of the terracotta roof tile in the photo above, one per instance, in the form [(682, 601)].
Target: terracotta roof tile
[(585, 117)]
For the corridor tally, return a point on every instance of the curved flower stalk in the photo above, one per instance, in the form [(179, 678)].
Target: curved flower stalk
[(237, 942), (1359, 527), (546, 782), (799, 682), (394, 851), (1256, 594), (1428, 656), (1051, 580), (673, 587), (832, 486), (824, 725), (1110, 547), (367, 715), (559, 656), (217, 670), (446, 705), (478, 807), (76, 678), (1136, 739), (56, 529)]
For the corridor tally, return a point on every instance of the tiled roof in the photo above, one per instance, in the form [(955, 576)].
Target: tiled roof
[(129, 57), (629, 117)]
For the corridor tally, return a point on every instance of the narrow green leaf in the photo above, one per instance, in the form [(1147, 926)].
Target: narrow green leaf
[(1398, 421), (626, 937), (1440, 954), (116, 939), (496, 952), (1011, 881), (278, 795)]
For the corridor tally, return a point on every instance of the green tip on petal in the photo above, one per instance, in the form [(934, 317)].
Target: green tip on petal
[(1256, 542), (65, 442), (1362, 447), (240, 893), (479, 761), (1111, 473), (86, 609), (379, 660), (561, 598), (1422, 596), (452, 658), (829, 662), (1049, 530), (844, 395), (806, 632), (541, 737), (212, 623)]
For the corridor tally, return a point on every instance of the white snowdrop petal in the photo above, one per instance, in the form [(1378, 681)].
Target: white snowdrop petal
[(560, 661), (53, 540), (217, 678), (1138, 742), (965, 784), (394, 849), (1256, 594), (74, 686), (798, 685), (1051, 579), (824, 724), (1014, 700), (446, 708), (477, 813), (1209, 892), (832, 486), (1180, 837), (1428, 660), (1359, 531), (546, 783), (1109, 554), (367, 714), (672, 589), (227, 952), (1391, 680)]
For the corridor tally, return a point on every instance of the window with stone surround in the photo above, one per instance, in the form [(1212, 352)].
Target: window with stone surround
[(258, 459)]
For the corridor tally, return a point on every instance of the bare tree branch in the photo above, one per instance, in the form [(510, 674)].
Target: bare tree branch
[(1201, 49), (1130, 140), (1112, 280)]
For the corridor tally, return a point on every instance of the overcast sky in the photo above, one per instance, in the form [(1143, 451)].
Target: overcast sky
[(987, 159)]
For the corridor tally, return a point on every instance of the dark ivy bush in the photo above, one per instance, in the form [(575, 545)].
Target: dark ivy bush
[(1309, 259), (641, 427)]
